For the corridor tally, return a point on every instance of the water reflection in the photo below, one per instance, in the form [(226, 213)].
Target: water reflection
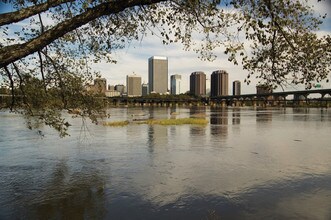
[(300, 114), (236, 116), (172, 172), (157, 137), (197, 112), (63, 194), (219, 122), (263, 116)]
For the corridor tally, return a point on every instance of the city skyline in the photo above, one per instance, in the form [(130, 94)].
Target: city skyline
[(132, 58), (185, 62), (198, 86)]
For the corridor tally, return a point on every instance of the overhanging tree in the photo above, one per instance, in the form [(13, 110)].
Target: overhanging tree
[(275, 40)]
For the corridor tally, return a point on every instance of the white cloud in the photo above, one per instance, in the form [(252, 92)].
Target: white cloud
[(135, 59)]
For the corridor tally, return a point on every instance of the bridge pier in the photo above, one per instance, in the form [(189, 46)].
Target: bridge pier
[(254, 103)]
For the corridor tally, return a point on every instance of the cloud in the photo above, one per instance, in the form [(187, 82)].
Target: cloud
[(135, 59)]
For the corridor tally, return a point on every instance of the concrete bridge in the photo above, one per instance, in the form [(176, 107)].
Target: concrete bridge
[(274, 98), (156, 101)]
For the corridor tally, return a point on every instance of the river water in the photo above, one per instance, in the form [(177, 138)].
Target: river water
[(245, 164)]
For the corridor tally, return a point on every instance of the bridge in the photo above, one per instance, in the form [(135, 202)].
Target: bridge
[(274, 99), (155, 101)]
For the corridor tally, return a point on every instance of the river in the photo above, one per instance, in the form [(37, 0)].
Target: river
[(245, 164)]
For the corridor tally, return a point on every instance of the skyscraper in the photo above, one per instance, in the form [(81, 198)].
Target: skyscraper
[(120, 88), (236, 87), (198, 83), (133, 84), (175, 81), (158, 74), (144, 88), (219, 83)]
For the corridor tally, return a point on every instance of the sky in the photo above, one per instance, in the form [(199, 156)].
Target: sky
[(134, 59)]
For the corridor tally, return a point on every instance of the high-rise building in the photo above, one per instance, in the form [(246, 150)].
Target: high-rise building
[(120, 88), (133, 85), (198, 83), (144, 89), (219, 83), (175, 81), (236, 87), (158, 74)]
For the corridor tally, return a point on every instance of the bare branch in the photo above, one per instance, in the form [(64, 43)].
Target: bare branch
[(11, 87), (12, 17), (12, 53)]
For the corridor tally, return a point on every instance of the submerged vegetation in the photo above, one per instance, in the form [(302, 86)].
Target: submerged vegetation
[(177, 121), (172, 121), (116, 123)]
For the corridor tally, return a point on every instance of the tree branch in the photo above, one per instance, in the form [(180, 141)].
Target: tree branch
[(269, 6), (11, 88), (12, 53), (12, 17), (21, 87)]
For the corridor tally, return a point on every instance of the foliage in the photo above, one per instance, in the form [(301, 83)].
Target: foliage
[(285, 48), (45, 58)]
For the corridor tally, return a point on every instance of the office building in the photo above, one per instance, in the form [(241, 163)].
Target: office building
[(120, 88), (175, 81), (198, 83), (219, 83), (133, 85), (144, 89), (158, 74), (236, 88)]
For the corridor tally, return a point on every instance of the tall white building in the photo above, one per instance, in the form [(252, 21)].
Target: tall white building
[(175, 81), (133, 85), (158, 74)]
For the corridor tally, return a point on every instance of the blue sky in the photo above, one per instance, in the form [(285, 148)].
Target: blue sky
[(5, 8), (134, 58)]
